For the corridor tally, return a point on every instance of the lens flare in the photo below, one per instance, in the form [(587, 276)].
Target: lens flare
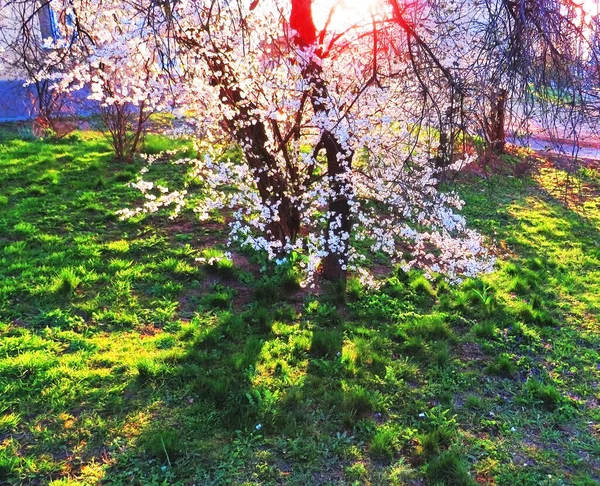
[(340, 15)]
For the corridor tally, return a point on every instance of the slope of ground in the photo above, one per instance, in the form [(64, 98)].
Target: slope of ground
[(125, 360)]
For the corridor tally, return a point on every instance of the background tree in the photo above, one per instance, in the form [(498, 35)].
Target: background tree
[(118, 65), (26, 36), (535, 53)]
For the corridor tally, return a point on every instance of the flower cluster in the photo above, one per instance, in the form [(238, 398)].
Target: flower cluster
[(334, 138)]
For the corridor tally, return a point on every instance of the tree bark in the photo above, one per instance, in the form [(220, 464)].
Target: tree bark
[(251, 133), (445, 147), (497, 129), (339, 158), (339, 224)]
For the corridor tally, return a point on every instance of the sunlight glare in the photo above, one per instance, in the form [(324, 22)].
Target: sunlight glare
[(345, 14), (591, 7)]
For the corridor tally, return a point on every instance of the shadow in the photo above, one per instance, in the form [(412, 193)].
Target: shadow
[(226, 391)]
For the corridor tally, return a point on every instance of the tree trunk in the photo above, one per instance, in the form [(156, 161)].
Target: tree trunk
[(339, 224), (251, 133), (339, 158), (272, 187), (445, 149), (497, 130)]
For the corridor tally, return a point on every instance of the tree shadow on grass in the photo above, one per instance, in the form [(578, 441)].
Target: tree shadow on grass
[(266, 396), (155, 412)]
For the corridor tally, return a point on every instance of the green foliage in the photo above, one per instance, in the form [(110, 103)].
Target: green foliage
[(216, 262), (324, 313), (449, 469), (474, 402), (483, 297), (503, 365), (326, 343), (431, 327), (8, 422), (434, 442), (358, 402), (8, 463), (484, 330), (220, 298), (260, 318), (384, 443), (66, 281), (441, 353), (422, 287), (165, 445), (542, 393), (356, 472), (354, 288), (122, 357)]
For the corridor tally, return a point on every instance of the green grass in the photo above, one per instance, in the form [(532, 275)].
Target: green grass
[(127, 356)]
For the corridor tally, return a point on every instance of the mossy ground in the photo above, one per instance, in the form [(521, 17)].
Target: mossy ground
[(123, 360)]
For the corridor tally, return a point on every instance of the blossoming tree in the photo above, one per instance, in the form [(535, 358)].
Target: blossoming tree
[(329, 120)]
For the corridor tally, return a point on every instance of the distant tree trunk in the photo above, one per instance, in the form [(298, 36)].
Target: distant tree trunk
[(496, 128), (445, 149)]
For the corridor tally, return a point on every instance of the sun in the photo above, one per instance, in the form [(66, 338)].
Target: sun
[(592, 7), (343, 14)]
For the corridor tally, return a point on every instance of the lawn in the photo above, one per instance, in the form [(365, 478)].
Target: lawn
[(136, 352)]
